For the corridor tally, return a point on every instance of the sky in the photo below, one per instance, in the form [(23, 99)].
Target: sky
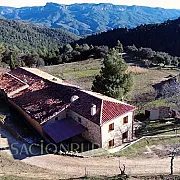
[(170, 4)]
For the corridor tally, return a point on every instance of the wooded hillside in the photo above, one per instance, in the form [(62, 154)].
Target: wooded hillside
[(29, 37), (160, 37)]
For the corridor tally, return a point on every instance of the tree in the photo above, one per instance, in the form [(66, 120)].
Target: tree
[(141, 99), (12, 63), (146, 53), (119, 47), (171, 92), (68, 48), (100, 51), (132, 50), (113, 80), (2, 50)]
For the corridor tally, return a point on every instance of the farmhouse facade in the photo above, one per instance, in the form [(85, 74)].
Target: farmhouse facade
[(58, 110)]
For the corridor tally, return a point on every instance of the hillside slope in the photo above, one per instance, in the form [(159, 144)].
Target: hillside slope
[(83, 19), (26, 36), (160, 37)]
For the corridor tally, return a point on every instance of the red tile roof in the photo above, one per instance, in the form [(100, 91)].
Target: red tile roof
[(112, 110), (10, 83), (44, 98), (83, 106), (40, 104), (35, 82)]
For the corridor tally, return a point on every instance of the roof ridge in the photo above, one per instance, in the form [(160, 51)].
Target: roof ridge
[(120, 102), (101, 111), (46, 76), (100, 96), (16, 78)]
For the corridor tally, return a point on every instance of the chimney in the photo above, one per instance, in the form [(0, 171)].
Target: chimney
[(93, 109)]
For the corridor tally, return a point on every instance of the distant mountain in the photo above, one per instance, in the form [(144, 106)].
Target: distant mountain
[(29, 37), (160, 37), (83, 19)]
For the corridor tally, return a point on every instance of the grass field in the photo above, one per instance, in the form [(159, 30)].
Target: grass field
[(147, 147), (80, 73), (161, 127), (83, 73)]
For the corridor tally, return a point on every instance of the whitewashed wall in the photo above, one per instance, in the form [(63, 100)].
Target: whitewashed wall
[(119, 129)]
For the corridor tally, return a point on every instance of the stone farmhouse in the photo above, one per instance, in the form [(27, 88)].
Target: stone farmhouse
[(57, 110)]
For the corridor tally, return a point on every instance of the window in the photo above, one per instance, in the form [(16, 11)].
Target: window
[(111, 127), (125, 120), (111, 143), (56, 118), (125, 135), (79, 119)]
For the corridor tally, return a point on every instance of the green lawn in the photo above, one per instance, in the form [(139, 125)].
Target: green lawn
[(156, 103), (81, 73)]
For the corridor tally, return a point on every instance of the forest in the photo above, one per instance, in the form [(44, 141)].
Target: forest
[(160, 37), (25, 44)]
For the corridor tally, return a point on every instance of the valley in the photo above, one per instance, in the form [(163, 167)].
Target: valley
[(89, 91), (141, 159)]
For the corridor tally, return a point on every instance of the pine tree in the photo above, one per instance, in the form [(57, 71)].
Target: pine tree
[(113, 80), (2, 50), (12, 63), (119, 47)]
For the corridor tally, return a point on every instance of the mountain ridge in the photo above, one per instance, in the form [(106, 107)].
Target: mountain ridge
[(89, 18)]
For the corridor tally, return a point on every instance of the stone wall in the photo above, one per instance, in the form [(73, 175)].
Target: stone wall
[(119, 129), (58, 116), (93, 133)]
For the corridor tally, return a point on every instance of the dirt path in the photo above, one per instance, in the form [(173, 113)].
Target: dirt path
[(58, 167), (103, 165), (11, 165)]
